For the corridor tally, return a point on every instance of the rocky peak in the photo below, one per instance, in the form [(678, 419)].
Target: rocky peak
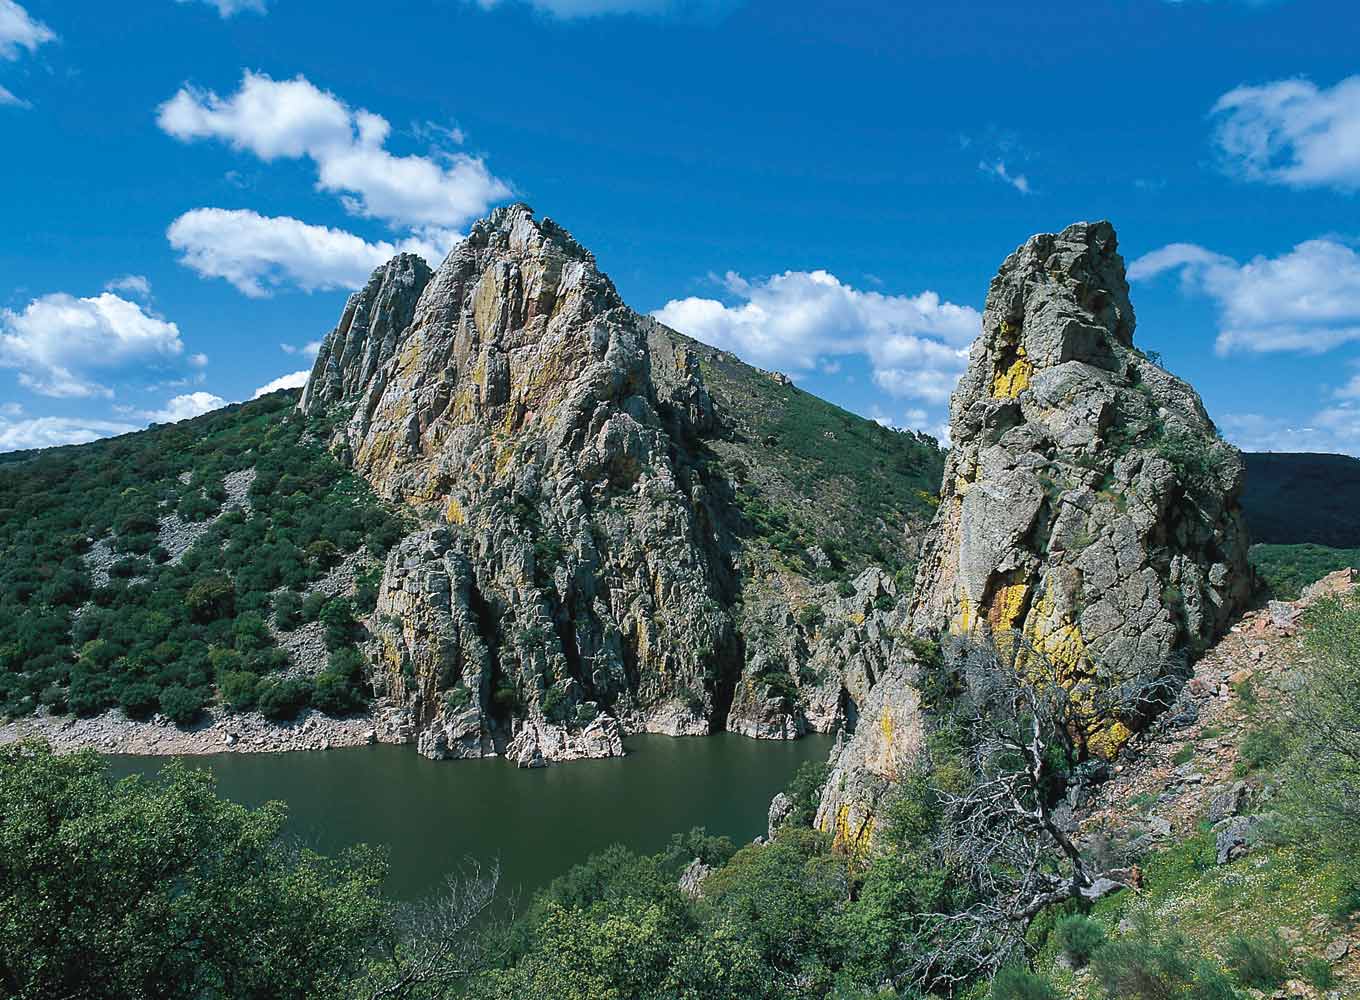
[(1088, 501), (366, 336), (577, 568), (1088, 505)]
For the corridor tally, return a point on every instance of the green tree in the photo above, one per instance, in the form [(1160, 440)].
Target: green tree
[(287, 611), (1323, 795), (182, 705), (282, 700), (158, 888), (211, 598)]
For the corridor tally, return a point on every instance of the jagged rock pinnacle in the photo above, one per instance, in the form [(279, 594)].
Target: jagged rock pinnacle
[(1088, 505)]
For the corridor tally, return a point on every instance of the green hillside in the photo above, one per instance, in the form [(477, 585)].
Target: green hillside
[(1293, 499), (96, 611), (809, 474)]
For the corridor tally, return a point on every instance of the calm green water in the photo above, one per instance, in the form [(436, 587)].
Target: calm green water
[(432, 815)]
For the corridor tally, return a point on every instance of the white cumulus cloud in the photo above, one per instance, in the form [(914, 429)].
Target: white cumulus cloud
[(257, 253), (917, 345), (48, 432), (1305, 300), (294, 119), (192, 404), (67, 346), (1292, 132), (293, 380), (20, 31), (133, 284)]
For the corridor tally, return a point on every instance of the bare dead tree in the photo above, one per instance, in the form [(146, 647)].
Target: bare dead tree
[(1024, 719), (439, 943)]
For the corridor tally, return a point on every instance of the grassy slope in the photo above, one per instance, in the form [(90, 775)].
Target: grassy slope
[(1277, 893), (809, 473)]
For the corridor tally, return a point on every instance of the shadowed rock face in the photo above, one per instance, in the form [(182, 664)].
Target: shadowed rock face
[(581, 568), (366, 336), (1087, 504)]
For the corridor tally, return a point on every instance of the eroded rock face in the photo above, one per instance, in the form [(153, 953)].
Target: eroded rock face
[(579, 573), (1087, 504), (885, 746), (578, 570)]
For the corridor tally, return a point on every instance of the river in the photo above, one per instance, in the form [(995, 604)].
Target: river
[(431, 816)]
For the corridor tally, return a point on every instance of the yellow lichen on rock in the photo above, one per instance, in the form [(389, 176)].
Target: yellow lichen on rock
[(486, 302), (851, 840), (1008, 607), (1009, 382), (963, 622), (1109, 739), (1061, 643)]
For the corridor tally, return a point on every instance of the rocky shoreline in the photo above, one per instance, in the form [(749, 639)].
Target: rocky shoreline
[(217, 732), (537, 744)]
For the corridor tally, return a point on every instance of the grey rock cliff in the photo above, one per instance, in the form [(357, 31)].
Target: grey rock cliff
[(354, 353), (579, 572)]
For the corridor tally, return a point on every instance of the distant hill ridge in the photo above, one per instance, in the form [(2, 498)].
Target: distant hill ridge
[(1295, 498)]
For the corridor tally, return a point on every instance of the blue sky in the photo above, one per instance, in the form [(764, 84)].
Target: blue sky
[(191, 186)]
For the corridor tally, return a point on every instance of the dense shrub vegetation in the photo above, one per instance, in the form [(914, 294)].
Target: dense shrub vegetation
[(1284, 570), (104, 897), (168, 636)]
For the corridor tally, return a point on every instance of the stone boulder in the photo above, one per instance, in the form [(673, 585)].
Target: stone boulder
[(693, 877)]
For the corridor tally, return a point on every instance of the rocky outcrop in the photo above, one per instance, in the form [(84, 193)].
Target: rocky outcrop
[(1088, 501), (364, 340), (1088, 505), (582, 567), (885, 746), (693, 877)]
